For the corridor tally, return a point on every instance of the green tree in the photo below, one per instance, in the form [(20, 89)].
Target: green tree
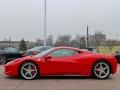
[(22, 46)]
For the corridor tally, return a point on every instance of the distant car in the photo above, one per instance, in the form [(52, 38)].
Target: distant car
[(91, 49), (36, 50), (63, 61), (118, 56), (8, 54)]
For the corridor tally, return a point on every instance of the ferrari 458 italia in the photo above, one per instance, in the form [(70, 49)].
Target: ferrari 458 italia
[(63, 61)]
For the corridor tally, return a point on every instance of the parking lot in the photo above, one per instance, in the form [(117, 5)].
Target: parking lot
[(60, 83)]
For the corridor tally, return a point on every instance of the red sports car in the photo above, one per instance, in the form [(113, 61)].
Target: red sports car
[(63, 61)]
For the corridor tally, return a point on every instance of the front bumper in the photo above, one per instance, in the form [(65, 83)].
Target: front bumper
[(11, 69)]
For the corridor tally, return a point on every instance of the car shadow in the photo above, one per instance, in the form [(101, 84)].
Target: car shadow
[(10, 77), (60, 77), (54, 77), (66, 77)]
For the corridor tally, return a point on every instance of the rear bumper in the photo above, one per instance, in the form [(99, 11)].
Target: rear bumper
[(114, 65)]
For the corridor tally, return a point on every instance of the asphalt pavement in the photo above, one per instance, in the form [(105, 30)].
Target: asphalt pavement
[(59, 83)]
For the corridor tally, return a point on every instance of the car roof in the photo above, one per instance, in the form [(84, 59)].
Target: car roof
[(72, 48)]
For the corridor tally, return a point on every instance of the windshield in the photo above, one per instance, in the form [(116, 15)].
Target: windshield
[(10, 49), (43, 53)]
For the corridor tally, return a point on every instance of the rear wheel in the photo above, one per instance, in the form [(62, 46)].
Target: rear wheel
[(101, 70), (2, 59), (29, 71)]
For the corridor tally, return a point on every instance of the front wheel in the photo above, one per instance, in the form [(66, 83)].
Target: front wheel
[(101, 70), (28, 71)]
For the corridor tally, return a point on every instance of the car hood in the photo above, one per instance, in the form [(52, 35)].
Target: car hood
[(28, 57)]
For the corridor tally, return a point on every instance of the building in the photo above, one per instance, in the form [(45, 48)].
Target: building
[(97, 39), (15, 44)]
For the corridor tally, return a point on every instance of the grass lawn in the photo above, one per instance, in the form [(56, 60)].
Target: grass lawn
[(107, 50)]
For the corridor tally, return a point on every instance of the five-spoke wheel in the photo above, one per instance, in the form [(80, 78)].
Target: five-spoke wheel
[(101, 70), (29, 70)]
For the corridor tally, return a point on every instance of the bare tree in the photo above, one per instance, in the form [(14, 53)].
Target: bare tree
[(39, 42), (50, 40), (81, 41), (97, 39), (63, 40)]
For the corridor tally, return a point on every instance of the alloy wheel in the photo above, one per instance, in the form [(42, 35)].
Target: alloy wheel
[(29, 70), (101, 70)]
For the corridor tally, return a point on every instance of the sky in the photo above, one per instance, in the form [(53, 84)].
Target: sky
[(24, 18)]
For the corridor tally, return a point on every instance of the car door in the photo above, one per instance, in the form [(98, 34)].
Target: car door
[(62, 62)]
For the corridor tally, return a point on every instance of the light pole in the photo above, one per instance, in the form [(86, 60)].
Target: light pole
[(45, 32), (87, 37)]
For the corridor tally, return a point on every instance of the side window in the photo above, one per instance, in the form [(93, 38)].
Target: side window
[(63, 52)]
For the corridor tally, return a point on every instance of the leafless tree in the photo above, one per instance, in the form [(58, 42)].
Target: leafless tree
[(50, 40), (97, 39), (63, 40)]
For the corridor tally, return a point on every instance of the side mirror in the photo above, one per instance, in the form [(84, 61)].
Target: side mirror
[(47, 58)]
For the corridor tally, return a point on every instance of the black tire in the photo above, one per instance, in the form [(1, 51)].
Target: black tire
[(2, 59), (28, 76), (104, 71)]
